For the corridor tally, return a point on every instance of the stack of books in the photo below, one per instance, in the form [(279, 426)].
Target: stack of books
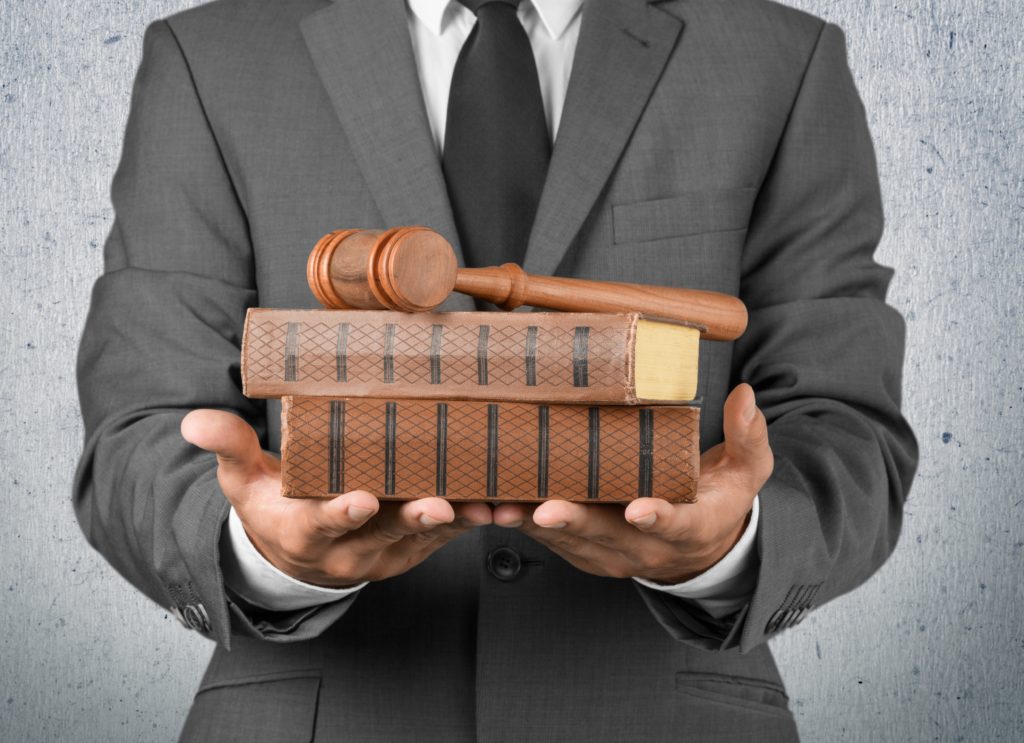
[(486, 406)]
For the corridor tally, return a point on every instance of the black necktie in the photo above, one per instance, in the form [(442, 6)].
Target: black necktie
[(496, 145)]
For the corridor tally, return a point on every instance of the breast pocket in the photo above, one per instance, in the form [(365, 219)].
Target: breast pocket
[(693, 213)]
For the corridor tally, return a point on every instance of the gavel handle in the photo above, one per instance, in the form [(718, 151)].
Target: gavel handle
[(719, 317)]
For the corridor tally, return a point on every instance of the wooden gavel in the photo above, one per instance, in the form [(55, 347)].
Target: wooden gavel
[(414, 269)]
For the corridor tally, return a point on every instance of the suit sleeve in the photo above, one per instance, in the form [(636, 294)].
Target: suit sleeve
[(161, 338), (824, 354)]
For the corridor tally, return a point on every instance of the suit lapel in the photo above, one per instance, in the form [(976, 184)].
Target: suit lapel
[(363, 54), (622, 50)]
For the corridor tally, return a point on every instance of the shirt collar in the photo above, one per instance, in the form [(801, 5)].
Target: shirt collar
[(555, 15)]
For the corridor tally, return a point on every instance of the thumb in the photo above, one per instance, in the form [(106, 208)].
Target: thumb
[(238, 450), (746, 434)]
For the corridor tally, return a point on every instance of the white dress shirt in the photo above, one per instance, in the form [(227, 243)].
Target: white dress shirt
[(438, 29)]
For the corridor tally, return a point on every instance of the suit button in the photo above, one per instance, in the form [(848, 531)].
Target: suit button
[(194, 617), (504, 563)]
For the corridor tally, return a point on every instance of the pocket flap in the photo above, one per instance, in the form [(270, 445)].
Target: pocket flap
[(274, 708), (736, 690), (690, 213)]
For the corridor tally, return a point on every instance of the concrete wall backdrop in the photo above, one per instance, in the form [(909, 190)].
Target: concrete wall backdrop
[(932, 648)]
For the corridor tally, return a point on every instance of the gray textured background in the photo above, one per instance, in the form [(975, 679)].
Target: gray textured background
[(931, 649)]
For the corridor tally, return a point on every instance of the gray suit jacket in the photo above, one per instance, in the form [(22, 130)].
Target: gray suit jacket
[(717, 144)]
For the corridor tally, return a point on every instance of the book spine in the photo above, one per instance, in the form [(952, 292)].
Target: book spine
[(538, 357), (488, 451)]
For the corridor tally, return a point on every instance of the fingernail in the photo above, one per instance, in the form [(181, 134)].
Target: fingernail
[(514, 524), (429, 520), (359, 513), (556, 525), (646, 521), (749, 412)]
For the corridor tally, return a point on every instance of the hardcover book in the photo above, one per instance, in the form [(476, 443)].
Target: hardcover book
[(488, 451), (528, 356)]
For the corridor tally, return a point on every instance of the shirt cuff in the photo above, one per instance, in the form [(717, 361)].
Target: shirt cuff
[(726, 586), (253, 578)]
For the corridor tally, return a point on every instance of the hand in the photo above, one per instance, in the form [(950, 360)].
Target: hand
[(334, 543), (651, 538)]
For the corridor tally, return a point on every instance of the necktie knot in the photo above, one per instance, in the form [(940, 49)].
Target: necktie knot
[(475, 5)]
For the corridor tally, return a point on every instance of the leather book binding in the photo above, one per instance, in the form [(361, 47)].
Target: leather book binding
[(488, 451), (531, 357)]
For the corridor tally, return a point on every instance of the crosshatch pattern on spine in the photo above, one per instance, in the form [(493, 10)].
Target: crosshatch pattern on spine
[(542, 362), (468, 450)]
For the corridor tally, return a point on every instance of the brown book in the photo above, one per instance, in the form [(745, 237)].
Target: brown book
[(488, 451), (529, 356)]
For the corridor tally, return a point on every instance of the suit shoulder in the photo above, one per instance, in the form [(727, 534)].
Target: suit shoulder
[(225, 14), (776, 40), (776, 13), (232, 24), (770, 22), (241, 40)]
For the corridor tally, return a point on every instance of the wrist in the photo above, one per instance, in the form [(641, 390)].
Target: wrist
[(296, 570), (702, 560), (257, 582)]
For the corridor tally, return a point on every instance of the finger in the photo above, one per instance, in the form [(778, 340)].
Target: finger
[(582, 553), (746, 435), (473, 514), (238, 450), (707, 521), (338, 516), (415, 548), (602, 524), (512, 515), (467, 516), (232, 439), (395, 523), (659, 518)]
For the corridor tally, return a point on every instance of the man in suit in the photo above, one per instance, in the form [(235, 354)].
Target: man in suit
[(714, 144)]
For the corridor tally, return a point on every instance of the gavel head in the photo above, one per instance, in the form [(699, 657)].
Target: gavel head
[(411, 269)]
